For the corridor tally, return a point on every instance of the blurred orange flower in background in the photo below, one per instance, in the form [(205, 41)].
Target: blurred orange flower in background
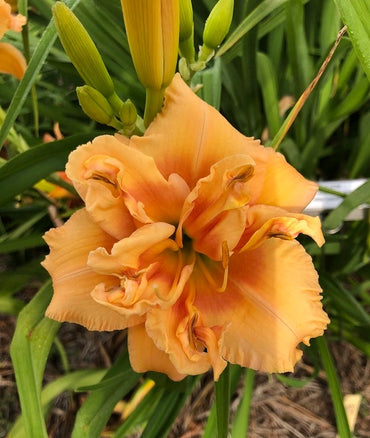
[(188, 239), (11, 59)]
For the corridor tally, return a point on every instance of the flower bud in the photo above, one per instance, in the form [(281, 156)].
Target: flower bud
[(128, 114), (81, 50), (186, 20), (95, 105), (186, 39), (218, 23), (152, 29)]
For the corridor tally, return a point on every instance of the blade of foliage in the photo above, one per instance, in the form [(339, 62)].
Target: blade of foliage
[(98, 407), (26, 169), (167, 409), (359, 196), (29, 350), (333, 382), (210, 79), (356, 15), (256, 16), (34, 66), (222, 395), (210, 431), (350, 308), (142, 413), (241, 420), (68, 382)]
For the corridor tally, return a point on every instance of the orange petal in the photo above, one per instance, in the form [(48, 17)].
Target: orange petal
[(198, 136), (145, 356), (73, 280), (271, 304), (282, 186), (264, 222), (8, 21), (192, 347), (211, 213), (148, 267), (12, 61), (189, 136), (129, 178)]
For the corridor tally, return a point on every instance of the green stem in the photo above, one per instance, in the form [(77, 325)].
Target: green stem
[(153, 104), (222, 393), (241, 421), (334, 386)]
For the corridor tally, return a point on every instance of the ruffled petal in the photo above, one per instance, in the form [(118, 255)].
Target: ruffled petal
[(8, 21), (12, 61), (149, 270), (145, 356), (282, 186), (131, 181), (211, 213), (179, 331), (73, 280), (264, 222), (189, 136), (271, 304), (93, 170)]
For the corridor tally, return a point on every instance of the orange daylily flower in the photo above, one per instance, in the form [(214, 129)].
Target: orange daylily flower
[(188, 240), (11, 59)]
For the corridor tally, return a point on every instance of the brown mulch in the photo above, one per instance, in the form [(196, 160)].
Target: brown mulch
[(277, 411)]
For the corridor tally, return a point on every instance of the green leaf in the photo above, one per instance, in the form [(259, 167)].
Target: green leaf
[(356, 15), (241, 419), (142, 413), (29, 78), (359, 196), (167, 410), (26, 169), (210, 79), (334, 386), (255, 17), (29, 350), (222, 393), (68, 382), (98, 407)]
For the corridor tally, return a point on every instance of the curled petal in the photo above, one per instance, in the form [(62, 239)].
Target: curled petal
[(145, 356), (12, 61), (212, 212), (264, 222), (93, 169), (192, 347), (282, 186), (148, 267), (271, 304), (73, 280), (130, 178)]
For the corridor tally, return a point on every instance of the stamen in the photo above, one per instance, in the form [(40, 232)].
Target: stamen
[(225, 265)]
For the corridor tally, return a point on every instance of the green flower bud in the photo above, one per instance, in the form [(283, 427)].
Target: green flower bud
[(218, 23), (128, 114), (81, 50), (186, 20), (96, 106)]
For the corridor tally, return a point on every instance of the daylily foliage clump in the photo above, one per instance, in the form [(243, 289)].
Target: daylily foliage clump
[(187, 239)]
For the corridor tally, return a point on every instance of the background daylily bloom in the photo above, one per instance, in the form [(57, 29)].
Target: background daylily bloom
[(11, 59), (188, 239)]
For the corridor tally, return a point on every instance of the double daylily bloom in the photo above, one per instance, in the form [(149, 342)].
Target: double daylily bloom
[(11, 59), (188, 240)]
